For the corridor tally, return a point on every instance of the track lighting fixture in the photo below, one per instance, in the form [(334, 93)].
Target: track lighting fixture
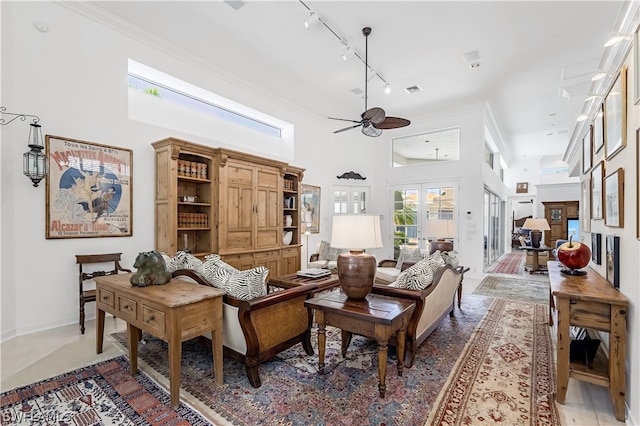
[(311, 21), (387, 88), (349, 52)]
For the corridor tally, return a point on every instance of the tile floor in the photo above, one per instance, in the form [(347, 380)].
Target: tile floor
[(29, 358)]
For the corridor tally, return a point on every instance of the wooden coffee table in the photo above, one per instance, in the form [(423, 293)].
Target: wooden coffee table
[(293, 280), (376, 317)]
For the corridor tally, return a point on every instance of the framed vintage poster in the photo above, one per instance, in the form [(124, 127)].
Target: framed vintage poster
[(598, 131), (89, 189), (614, 199), (597, 174), (596, 248), (587, 150), (585, 215), (310, 208), (615, 116)]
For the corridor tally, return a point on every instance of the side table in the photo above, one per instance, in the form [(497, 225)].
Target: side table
[(174, 312), (376, 317)]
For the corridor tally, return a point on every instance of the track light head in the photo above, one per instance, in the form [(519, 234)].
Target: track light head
[(311, 21), (348, 53)]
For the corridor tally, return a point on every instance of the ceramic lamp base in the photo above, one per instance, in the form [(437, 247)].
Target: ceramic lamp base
[(356, 271)]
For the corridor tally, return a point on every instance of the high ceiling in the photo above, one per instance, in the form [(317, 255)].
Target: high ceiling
[(536, 57)]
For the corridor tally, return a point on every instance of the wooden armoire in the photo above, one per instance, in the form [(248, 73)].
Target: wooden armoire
[(216, 200), (557, 214)]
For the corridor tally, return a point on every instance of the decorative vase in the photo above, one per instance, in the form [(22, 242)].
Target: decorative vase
[(286, 239), (357, 273), (288, 220)]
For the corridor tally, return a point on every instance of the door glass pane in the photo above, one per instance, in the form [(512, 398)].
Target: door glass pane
[(359, 201), (405, 211), (340, 201)]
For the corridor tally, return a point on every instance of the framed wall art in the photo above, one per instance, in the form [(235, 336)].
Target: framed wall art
[(597, 174), (613, 260), (636, 55), (615, 116), (598, 131), (614, 199), (89, 189), (587, 150), (522, 187), (310, 207), (637, 181), (596, 248), (585, 215)]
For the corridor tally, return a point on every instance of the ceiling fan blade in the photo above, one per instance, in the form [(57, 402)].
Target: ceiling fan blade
[(347, 128), (345, 119), (392, 123), (373, 115)]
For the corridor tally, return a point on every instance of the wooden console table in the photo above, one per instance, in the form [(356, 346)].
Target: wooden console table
[(376, 317), (174, 312), (590, 301)]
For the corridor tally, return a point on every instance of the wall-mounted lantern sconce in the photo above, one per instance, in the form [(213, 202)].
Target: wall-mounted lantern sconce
[(34, 164)]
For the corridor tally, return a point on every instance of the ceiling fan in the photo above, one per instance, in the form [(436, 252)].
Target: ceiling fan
[(373, 120)]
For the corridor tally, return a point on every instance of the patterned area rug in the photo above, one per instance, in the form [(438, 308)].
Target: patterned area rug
[(293, 393), (101, 394), (514, 288), (509, 263), (506, 373)]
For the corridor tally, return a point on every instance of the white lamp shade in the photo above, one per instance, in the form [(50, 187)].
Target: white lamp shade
[(356, 231), (536, 224), (441, 228)]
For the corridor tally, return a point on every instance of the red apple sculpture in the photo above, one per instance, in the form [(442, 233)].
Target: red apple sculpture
[(574, 256)]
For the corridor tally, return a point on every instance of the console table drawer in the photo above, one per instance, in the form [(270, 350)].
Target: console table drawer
[(590, 314), (106, 297), (154, 318), (127, 308)]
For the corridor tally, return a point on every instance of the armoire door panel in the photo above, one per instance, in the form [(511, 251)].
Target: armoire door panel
[(268, 238)]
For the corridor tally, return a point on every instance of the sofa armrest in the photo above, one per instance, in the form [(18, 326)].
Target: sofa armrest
[(387, 263), (314, 257), (273, 298)]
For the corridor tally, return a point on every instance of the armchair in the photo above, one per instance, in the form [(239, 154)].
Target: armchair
[(256, 330)]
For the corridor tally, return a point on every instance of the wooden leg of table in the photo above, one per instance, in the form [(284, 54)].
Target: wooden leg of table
[(400, 339), (564, 341), (322, 338), (132, 336), (346, 340), (535, 263), (617, 354), (216, 348), (552, 306), (382, 367), (99, 330), (459, 294), (175, 356)]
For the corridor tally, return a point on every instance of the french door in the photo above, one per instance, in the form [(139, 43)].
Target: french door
[(415, 205), (494, 226)]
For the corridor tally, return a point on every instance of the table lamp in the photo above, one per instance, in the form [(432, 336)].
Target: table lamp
[(438, 230), (356, 269), (536, 226)]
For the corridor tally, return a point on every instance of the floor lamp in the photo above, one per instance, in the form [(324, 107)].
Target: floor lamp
[(306, 236)]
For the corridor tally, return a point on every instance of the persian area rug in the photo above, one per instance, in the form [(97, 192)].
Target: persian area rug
[(514, 289), (506, 373), (509, 263), (293, 393), (101, 394)]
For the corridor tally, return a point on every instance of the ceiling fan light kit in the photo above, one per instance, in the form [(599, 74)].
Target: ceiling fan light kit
[(373, 120)]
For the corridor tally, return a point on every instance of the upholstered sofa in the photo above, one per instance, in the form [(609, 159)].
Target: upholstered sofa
[(433, 304), (258, 329)]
